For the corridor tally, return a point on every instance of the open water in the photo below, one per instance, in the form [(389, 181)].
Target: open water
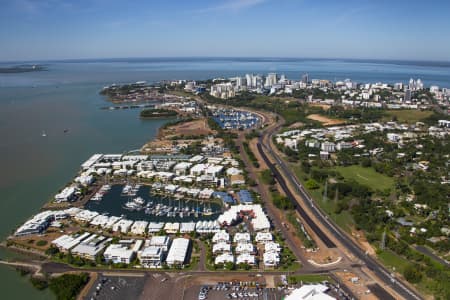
[(66, 96)]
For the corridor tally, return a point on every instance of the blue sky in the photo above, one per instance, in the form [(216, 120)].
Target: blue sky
[(379, 29)]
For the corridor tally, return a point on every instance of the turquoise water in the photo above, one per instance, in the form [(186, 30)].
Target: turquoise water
[(66, 97)]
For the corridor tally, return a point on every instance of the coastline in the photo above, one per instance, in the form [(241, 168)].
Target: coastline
[(160, 128)]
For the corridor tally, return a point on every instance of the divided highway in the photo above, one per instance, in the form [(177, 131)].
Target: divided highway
[(329, 243), (381, 272)]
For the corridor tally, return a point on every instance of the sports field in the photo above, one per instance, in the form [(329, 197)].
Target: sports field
[(367, 176), (408, 115)]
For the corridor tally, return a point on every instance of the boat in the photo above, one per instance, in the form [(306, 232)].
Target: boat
[(44, 134), (131, 205), (97, 197), (139, 201), (207, 212), (126, 189)]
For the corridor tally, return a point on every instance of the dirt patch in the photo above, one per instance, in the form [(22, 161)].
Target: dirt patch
[(325, 120), (359, 285), (38, 242), (180, 135), (323, 106), (296, 125), (191, 128), (360, 238)]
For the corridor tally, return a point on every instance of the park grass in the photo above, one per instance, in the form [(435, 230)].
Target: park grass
[(366, 176), (407, 115), (392, 260), (310, 278), (426, 286), (295, 266), (344, 219)]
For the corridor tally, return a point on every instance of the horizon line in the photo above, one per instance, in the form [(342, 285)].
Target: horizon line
[(223, 57)]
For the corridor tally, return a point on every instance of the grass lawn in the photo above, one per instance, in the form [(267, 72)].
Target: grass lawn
[(343, 220), (295, 266), (390, 259), (313, 278), (407, 115), (367, 176)]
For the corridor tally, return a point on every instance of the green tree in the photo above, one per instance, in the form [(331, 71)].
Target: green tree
[(412, 273), (311, 184)]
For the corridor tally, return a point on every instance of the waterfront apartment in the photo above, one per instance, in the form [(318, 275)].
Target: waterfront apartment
[(90, 247), (67, 194), (66, 242), (178, 252), (152, 257), (119, 253), (40, 222)]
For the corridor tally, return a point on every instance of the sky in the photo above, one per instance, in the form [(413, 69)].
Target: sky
[(373, 29)]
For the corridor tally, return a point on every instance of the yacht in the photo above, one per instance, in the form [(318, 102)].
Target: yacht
[(139, 201), (130, 205), (126, 189)]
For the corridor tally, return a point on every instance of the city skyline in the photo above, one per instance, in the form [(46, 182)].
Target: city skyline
[(57, 29)]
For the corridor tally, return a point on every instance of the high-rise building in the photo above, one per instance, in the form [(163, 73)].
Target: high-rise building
[(419, 84), (412, 84), (305, 78), (415, 84), (257, 81), (398, 86), (249, 79), (271, 79), (407, 96), (239, 82), (434, 89)]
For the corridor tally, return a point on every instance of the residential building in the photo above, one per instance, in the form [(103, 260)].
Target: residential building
[(178, 252)]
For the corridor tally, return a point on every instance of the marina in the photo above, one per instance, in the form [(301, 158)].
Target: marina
[(140, 202), (236, 119)]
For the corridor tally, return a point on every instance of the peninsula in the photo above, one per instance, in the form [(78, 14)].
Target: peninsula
[(259, 177)]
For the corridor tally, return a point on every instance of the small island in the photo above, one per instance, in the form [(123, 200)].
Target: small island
[(22, 69), (157, 113)]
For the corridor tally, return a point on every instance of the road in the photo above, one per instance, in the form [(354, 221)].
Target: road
[(271, 210), (59, 268), (382, 273)]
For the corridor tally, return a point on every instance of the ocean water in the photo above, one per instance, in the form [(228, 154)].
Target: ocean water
[(66, 97)]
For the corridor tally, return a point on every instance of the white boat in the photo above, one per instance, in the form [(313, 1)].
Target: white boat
[(130, 205), (139, 200), (44, 134), (126, 189)]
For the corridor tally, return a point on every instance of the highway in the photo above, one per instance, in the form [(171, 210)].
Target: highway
[(264, 147)]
